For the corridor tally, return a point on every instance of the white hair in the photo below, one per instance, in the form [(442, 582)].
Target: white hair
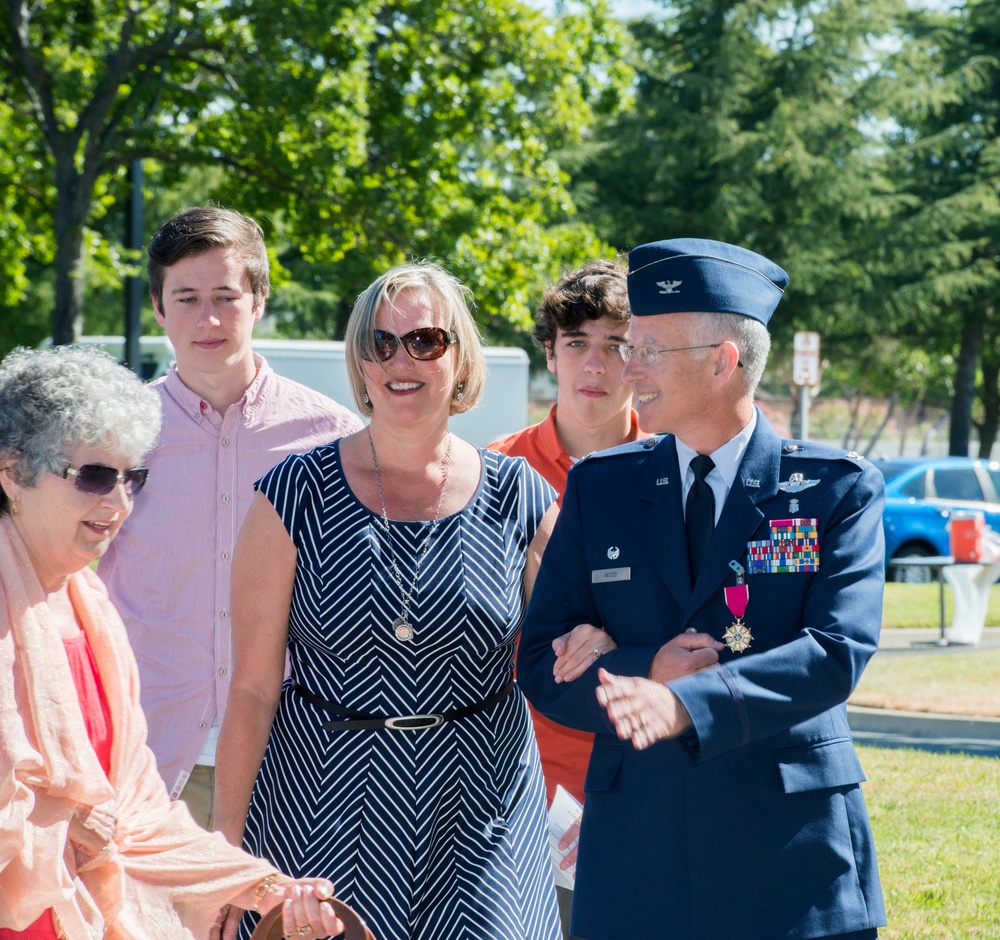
[(55, 401)]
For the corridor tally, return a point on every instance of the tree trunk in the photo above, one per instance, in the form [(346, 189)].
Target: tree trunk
[(910, 416), (887, 417), (852, 425), (965, 385), (67, 316), (991, 406)]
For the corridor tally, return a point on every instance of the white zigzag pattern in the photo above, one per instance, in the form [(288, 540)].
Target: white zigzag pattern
[(436, 835)]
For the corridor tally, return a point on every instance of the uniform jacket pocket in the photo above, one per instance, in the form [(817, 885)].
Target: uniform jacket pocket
[(819, 766)]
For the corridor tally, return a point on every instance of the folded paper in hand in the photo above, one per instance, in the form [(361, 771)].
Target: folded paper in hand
[(564, 811)]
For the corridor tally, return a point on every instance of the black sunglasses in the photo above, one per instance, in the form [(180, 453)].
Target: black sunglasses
[(429, 342), (97, 480)]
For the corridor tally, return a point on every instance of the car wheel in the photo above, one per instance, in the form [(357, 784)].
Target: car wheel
[(911, 573)]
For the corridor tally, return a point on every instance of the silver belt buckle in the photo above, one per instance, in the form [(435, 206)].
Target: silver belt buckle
[(427, 721)]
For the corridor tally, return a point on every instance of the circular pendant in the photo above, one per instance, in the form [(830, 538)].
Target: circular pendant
[(403, 630), (737, 637)]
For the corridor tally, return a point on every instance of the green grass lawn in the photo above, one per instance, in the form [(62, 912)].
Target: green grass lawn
[(918, 605), (936, 819), (964, 683)]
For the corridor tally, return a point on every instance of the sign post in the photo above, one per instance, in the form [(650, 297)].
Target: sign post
[(805, 373)]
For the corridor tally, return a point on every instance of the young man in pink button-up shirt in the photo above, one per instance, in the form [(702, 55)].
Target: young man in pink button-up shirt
[(227, 420)]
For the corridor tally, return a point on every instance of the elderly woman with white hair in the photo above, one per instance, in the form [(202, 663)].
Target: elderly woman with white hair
[(393, 565), (90, 844)]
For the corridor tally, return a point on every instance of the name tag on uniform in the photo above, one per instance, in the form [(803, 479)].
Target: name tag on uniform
[(603, 575)]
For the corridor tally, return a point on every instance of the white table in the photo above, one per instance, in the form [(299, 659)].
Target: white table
[(970, 584)]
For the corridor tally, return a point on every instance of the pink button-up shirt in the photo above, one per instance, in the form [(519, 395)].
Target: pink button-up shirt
[(168, 570)]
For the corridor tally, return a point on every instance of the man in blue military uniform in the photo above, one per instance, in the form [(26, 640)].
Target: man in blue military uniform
[(741, 576)]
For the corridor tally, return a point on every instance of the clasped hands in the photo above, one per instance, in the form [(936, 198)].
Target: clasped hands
[(642, 710)]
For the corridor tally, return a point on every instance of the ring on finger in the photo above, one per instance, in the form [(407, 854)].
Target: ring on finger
[(303, 930), (642, 719), (596, 653)]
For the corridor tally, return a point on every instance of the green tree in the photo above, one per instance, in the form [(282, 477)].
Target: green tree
[(944, 248), (755, 122), (90, 86), (364, 132), (466, 107)]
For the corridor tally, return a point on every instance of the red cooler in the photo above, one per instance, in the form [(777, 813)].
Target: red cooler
[(966, 535)]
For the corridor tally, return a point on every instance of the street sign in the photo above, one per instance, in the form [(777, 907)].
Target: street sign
[(805, 358)]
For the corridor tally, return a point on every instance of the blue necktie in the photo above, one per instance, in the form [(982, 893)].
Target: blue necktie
[(699, 513)]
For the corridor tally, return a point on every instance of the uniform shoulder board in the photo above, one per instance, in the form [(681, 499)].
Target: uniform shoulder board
[(622, 450), (808, 450)]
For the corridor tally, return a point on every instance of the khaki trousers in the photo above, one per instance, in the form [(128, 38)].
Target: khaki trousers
[(199, 794)]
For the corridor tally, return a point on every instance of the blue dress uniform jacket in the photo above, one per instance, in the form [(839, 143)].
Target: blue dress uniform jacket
[(751, 825)]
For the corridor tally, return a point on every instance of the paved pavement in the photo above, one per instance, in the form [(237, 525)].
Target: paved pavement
[(929, 731)]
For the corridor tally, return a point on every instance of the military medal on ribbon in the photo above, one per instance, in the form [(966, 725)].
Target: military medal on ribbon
[(737, 636)]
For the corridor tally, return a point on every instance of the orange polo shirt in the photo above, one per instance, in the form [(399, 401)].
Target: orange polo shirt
[(564, 751)]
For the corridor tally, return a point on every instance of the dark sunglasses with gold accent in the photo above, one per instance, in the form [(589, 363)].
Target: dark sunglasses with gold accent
[(95, 479), (429, 342)]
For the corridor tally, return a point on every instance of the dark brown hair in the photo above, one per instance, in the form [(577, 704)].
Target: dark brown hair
[(598, 289), (201, 229)]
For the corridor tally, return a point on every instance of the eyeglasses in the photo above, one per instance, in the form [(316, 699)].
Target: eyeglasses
[(95, 479), (429, 342), (647, 354)]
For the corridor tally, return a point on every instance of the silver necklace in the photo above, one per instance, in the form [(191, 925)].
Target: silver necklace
[(401, 626)]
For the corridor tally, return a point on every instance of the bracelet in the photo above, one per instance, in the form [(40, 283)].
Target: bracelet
[(261, 890)]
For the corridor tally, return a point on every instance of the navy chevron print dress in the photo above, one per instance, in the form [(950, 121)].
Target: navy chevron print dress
[(431, 835)]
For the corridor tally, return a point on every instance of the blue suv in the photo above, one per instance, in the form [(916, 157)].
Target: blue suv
[(921, 495)]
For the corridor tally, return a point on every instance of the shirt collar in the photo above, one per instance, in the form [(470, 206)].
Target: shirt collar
[(548, 437), (726, 458), (200, 410)]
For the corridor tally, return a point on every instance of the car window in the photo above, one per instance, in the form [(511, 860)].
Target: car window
[(995, 477), (957, 483), (892, 468), (915, 488)]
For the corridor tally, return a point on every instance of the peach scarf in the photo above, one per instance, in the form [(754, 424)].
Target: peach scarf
[(163, 878)]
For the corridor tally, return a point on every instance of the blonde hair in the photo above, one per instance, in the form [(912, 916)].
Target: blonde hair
[(448, 297)]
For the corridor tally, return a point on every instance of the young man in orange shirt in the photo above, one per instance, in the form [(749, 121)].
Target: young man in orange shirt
[(580, 324)]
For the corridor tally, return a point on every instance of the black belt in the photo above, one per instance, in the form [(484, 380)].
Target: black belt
[(363, 721)]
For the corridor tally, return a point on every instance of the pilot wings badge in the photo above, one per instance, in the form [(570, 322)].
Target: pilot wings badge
[(796, 483)]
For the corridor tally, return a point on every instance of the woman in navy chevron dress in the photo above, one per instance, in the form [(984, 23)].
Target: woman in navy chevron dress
[(398, 758)]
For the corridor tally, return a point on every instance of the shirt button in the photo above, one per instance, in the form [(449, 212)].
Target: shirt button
[(222, 670), (224, 614), (201, 724), (225, 556), (225, 497), (225, 442)]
